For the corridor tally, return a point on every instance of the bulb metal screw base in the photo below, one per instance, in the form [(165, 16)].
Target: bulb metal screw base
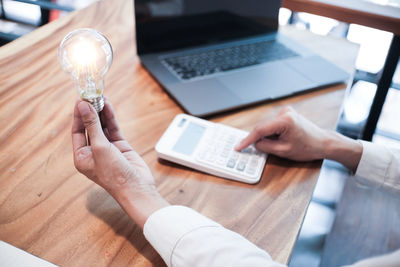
[(97, 103)]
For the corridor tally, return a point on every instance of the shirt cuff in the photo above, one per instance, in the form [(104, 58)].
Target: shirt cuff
[(373, 166), (165, 227)]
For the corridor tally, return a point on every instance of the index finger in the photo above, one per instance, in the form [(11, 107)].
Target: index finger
[(260, 131), (110, 121), (78, 131)]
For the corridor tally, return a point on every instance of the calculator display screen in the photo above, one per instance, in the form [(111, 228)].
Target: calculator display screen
[(189, 139)]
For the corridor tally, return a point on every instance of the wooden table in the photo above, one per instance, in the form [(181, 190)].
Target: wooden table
[(50, 210), (363, 12)]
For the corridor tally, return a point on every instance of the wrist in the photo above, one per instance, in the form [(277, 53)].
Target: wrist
[(342, 149), (330, 145), (140, 201)]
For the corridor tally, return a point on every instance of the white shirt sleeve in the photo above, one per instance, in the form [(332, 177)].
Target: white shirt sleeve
[(184, 238), (379, 166), (387, 260)]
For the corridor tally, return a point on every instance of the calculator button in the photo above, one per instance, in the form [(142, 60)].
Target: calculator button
[(231, 163), (251, 170), (245, 158), (211, 157), (227, 145), (227, 149), (213, 149), (230, 142), (247, 150), (235, 155), (231, 138), (220, 161), (254, 162), (209, 148), (241, 165), (225, 153)]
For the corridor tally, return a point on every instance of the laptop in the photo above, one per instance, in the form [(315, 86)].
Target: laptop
[(213, 56)]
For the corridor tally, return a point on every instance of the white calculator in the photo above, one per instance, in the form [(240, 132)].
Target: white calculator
[(209, 147)]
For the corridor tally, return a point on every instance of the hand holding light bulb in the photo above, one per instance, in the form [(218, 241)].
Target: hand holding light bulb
[(108, 159), (87, 55)]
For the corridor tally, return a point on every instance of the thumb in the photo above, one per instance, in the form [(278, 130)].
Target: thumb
[(91, 122)]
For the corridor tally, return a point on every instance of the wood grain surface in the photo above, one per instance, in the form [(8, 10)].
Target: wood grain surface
[(384, 17), (50, 210)]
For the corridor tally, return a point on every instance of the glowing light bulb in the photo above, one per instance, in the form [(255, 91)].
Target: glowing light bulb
[(86, 55)]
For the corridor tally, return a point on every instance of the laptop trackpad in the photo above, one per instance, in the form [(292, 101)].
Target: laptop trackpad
[(203, 97), (266, 81)]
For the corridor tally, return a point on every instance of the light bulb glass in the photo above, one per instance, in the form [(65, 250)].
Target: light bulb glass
[(86, 55)]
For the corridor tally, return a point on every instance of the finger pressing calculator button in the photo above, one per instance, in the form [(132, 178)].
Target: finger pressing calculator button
[(247, 150), (231, 163)]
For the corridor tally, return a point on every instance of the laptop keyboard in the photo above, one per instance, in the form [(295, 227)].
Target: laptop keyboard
[(205, 63)]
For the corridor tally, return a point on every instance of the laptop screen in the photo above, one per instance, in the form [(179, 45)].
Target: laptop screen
[(163, 25)]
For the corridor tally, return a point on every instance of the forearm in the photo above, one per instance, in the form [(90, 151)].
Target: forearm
[(140, 204), (184, 237), (342, 149)]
